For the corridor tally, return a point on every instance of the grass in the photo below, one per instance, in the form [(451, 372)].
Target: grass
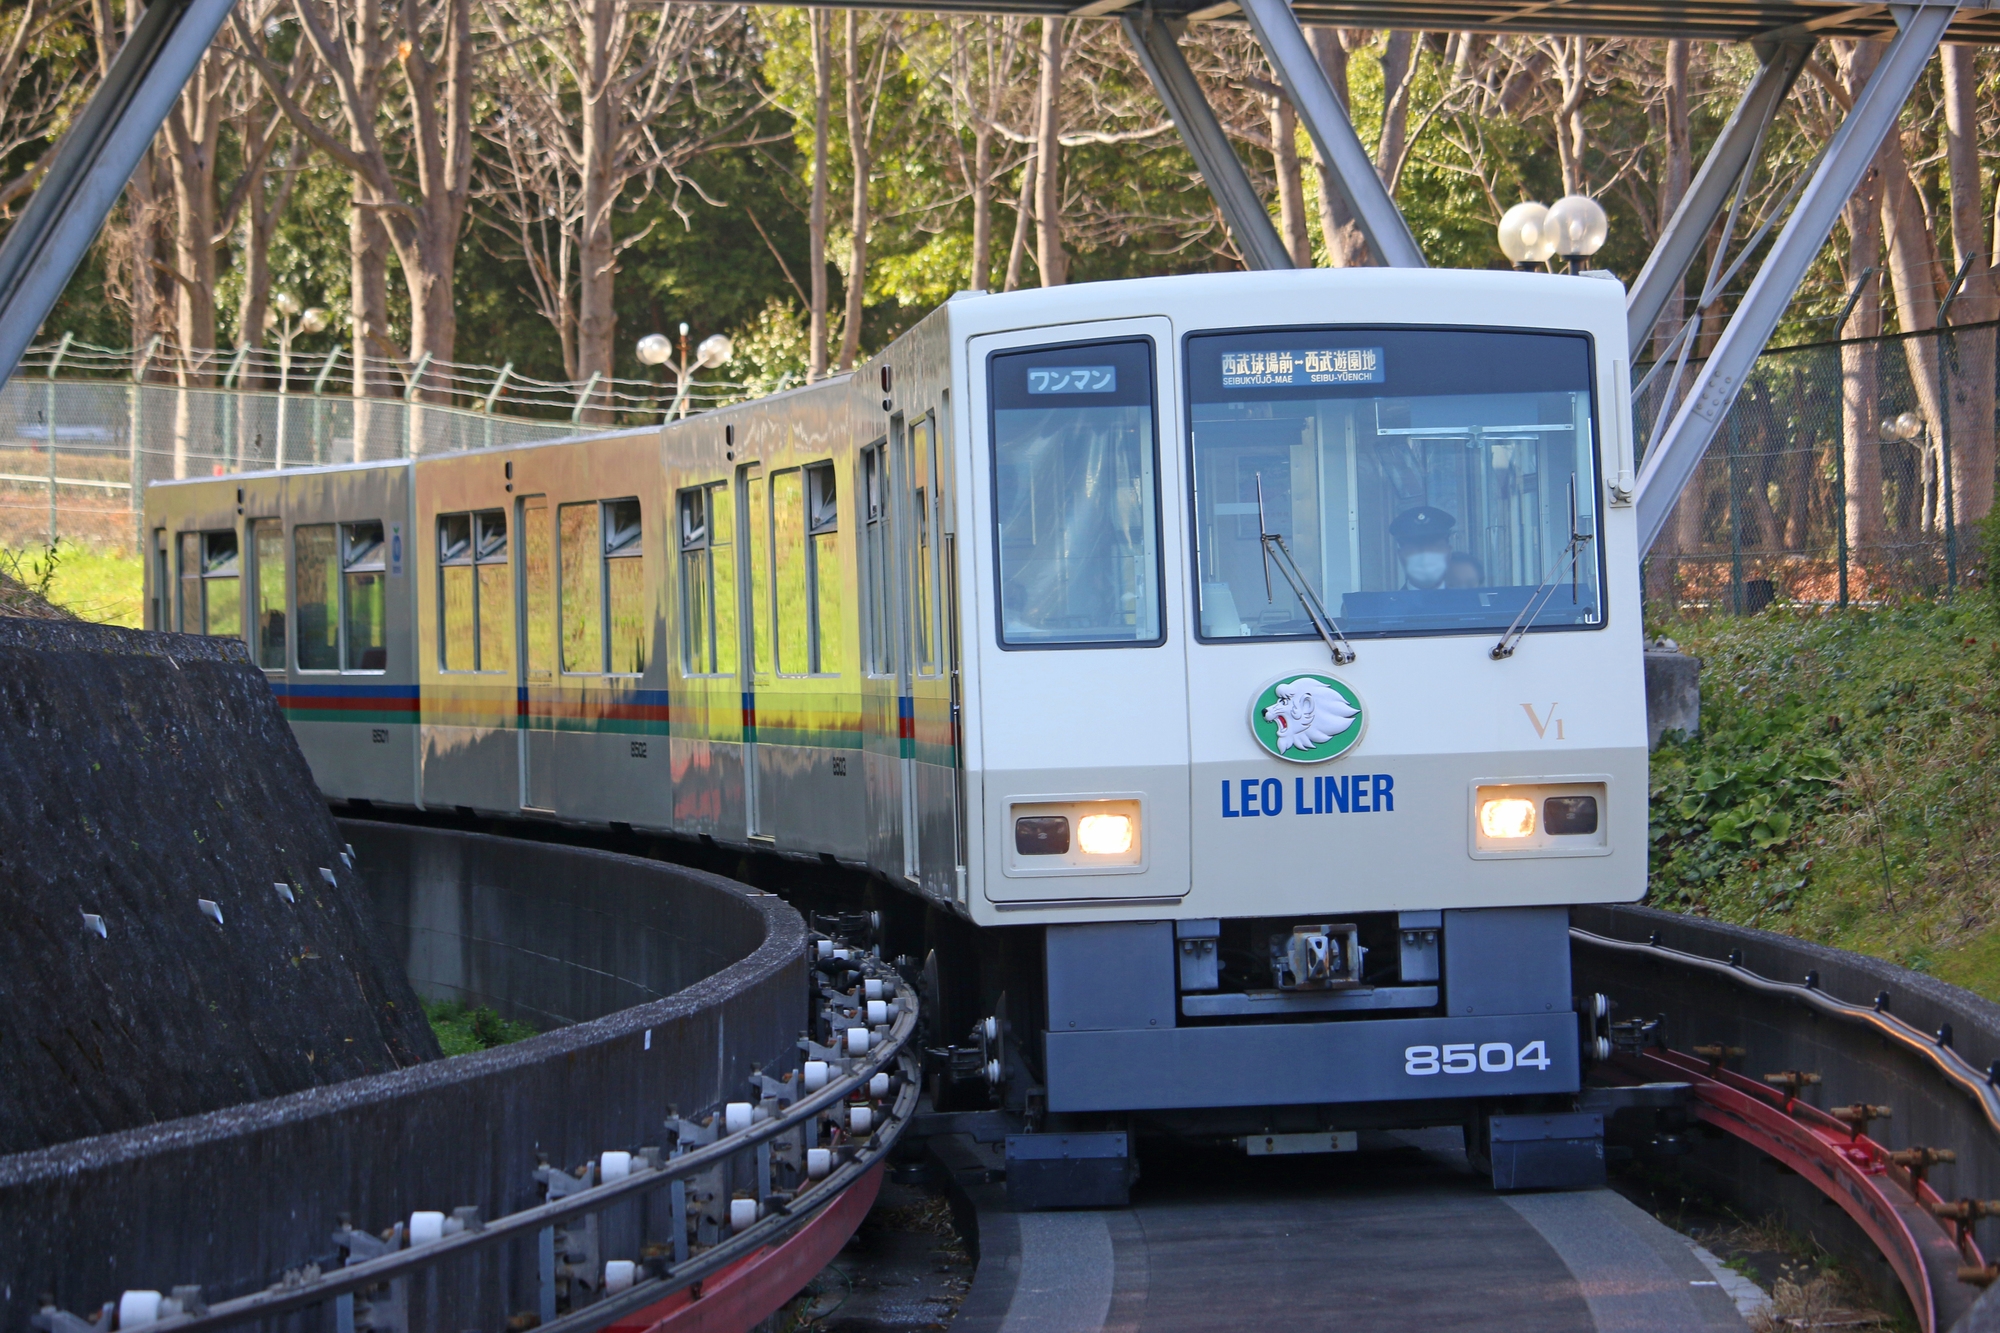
[(93, 583), (1844, 787), (462, 1031)]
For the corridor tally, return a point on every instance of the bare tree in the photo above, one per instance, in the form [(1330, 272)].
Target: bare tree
[(863, 76), (597, 97), (1049, 256), (414, 195), (822, 62)]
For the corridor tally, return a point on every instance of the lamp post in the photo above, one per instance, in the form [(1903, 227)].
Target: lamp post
[(283, 311), (657, 349)]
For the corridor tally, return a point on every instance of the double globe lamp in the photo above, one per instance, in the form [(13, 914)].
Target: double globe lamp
[(1573, 227)]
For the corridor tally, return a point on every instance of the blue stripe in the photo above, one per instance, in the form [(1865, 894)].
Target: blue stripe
[(315, 690)]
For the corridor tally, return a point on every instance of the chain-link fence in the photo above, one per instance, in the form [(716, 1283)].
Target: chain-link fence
[(1845, 472), (75, 456)]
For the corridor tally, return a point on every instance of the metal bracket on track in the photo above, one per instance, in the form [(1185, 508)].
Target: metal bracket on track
[(1669, 465), (1155, 41)]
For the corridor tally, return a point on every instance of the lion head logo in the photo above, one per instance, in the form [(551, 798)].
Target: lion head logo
[(1307, 712)]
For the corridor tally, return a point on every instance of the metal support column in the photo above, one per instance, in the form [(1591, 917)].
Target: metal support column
[(1733, 154), (1311, 95), (1156, 43), (94, 160), (1673, 460)]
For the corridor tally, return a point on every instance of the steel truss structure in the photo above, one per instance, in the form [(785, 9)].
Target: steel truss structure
[(99, 153)]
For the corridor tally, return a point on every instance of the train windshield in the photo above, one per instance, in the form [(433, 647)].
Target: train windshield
[(1422, 481)]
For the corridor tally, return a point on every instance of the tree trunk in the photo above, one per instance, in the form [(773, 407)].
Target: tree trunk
[(1345, 246), (1399, 67), (1049, 256), (1970, 364), (1860, 385), (1023, 214), (1291, 186), (597, 256), (862, 159), (192, 131), (1913, 267), (816, 215)]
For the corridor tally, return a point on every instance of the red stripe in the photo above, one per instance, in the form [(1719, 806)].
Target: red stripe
[(328, 704)]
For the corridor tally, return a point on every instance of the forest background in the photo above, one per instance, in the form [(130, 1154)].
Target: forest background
[(543, 182)]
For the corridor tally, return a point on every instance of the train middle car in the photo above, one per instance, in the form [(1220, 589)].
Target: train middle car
[(1248, 664)]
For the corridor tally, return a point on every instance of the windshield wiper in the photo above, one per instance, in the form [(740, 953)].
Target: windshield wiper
[(1329, 629), (1539, 601)]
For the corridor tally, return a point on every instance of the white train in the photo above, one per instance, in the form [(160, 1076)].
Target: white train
[(1252, 661)]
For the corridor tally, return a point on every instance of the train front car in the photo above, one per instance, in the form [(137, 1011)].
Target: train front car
[(1308, 697)]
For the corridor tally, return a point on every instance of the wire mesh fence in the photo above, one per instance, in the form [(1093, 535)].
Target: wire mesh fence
[(75, 456), (1845, 472)]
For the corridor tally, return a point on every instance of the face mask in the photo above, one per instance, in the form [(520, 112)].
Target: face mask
[(1425, 568)]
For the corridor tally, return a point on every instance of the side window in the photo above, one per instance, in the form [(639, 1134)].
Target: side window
[(697, 586), (629, 627), (163, 583), (756, 558), (190, 581), (580, 589), (923, 545), (364, 589), (823, 572), (458, 626), (1076, 495), (788, 547), (493, 591), (316, 574), (221, 585), (267, 550), (878, 620)]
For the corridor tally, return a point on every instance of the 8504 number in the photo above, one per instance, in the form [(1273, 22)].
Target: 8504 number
[(1493, 1057)]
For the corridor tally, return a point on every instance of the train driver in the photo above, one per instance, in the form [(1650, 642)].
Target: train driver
[(1423, 545)]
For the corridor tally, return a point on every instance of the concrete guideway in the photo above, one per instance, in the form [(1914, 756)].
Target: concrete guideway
[(1397, 1236)]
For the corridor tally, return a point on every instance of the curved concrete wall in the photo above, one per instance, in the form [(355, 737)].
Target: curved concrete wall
[(1780, 1033), (233, 1198)]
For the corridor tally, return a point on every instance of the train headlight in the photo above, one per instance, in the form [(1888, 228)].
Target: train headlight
[(1513, 817), (1508, 817), (1105, 835), (1075, 835)]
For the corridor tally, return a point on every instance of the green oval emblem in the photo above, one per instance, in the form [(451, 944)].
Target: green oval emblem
[(1307, 718)]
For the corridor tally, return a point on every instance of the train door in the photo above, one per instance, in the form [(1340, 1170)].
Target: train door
[(1083, 691), (908, 478), (753, 519), (536, 614), (947, 486)]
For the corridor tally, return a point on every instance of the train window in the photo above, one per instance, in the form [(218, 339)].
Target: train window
[(218, 595), (823, 574), (316, 597), (1076, 495), (879, 623), (538, 593), (580, 588), (708, 622), (788, 549), (190, 581), (755, 517), (493, 591), (922, 555), (267, 549), (1422, 479), (629, 624), (458, 640), (364, 589), (163, 584)]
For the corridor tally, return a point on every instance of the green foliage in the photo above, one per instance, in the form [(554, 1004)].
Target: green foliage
[(462, 1031), (1843, 786), (96, 583)]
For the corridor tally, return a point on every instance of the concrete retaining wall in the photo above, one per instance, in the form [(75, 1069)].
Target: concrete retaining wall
[(233, 1198)]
